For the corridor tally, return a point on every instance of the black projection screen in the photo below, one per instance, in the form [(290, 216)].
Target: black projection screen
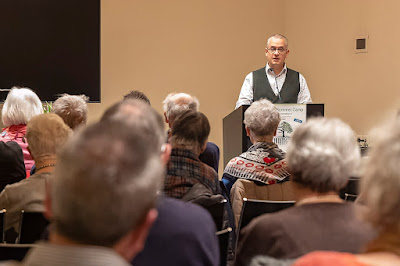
[(51, 46)]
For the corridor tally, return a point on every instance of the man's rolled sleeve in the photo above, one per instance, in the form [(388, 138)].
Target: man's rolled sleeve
[(246, 93), (304, 96)]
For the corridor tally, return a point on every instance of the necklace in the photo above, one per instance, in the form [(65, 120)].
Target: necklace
[(323, 198), (45, 166)]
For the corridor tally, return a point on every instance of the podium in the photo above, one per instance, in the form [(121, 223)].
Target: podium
[(236, 140)]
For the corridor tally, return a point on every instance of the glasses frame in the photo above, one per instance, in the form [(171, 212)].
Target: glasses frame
[(274, 50)]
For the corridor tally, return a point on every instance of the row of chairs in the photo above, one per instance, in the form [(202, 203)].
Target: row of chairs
[(33, 224)]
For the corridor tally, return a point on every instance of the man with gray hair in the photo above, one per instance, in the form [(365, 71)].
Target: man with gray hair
[(275, 81), (72, 109), (102, 201), (176, 104)]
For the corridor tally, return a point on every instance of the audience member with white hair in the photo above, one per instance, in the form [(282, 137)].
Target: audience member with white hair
[(176, 104), (104, 193), (264, 162), (380, 186), (46, 134), (72, 109), (322, 155), (19, 107)]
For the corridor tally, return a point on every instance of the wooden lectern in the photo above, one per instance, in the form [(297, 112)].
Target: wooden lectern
[(235, 139)]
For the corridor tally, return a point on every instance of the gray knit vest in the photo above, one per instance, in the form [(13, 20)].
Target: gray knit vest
[(262, 89)]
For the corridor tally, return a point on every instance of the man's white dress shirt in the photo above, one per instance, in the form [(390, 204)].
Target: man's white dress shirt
[(276, 82)]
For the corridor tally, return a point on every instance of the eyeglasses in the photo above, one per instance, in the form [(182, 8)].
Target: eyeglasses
[(280, 50)]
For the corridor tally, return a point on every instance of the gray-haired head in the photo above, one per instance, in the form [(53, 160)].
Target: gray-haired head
[(380, 184), (322, 154), (177, 103), (262, 118), (20, 106), (108, 176), (278, 36), (72, 109)]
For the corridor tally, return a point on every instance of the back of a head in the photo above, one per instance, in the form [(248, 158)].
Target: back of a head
[(262, 118), (20, 106), (176, 104), (72, 109), (380, 185), (46, 134), (137, 95), (190, 130), (136, 111), (322, 154), (107, 177)]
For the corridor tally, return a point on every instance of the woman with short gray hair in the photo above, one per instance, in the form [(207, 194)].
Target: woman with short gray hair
[(263, 162), (322, 155), (262, 119), (19, 107), (380, 186)]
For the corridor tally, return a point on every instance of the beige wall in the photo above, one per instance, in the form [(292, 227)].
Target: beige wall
[(206, 48), (359, 88)]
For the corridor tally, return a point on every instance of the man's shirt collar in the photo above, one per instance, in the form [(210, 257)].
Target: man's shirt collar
[(270, 71)]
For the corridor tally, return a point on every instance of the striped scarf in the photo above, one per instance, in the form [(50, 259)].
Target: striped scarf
[(263, 162)]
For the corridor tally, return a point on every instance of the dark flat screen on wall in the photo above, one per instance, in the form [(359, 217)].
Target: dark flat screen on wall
[(51, 46)]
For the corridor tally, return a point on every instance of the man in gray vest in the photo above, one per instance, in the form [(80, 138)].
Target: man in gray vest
[(275, 82)]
